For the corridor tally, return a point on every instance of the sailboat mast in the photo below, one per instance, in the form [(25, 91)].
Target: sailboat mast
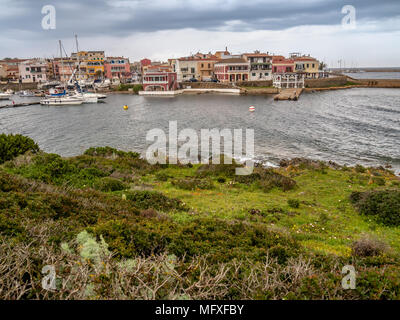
[(77, 53), (62, 63)]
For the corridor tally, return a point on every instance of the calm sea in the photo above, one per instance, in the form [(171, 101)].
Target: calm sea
[(346, 126)]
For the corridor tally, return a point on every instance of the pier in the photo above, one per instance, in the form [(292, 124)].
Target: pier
[(289, 94), (16, 105)]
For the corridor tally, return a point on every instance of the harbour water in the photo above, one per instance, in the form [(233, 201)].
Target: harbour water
[(347, 126), (374, 75)]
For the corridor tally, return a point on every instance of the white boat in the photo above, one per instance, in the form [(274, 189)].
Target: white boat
[(62, 101), (26, 93), (94, 94), (103, 85), (86, 97), (5, 96)]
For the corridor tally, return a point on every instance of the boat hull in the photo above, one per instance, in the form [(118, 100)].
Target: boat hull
[(61, 101)]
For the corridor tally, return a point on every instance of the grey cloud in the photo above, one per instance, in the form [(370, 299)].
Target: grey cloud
[(95, 17)]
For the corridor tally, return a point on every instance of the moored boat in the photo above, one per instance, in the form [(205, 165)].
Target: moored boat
[(62, 101), (5, 96)]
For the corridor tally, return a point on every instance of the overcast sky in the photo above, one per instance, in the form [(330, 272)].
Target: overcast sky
[(161, 29)]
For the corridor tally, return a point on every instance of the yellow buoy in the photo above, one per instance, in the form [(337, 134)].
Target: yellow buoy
[(125, 107)]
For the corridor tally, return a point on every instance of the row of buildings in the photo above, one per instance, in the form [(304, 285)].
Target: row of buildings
[(224, 67), (221, 66), (87, 65)]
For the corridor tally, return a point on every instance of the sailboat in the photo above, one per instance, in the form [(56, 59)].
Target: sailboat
[(88, 97), (62, 99)]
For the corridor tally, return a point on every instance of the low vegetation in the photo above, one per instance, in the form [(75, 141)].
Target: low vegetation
[(116, 227)]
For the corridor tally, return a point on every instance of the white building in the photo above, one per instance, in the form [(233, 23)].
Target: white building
[(260, 66), (288, 80)]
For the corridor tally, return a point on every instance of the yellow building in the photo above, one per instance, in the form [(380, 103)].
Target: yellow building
[(91, 64), (205, 68), (307, 65)]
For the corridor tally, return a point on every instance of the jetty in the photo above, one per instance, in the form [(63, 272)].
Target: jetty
[(16, 105), (289, 94)]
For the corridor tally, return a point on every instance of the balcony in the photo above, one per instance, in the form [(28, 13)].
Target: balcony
[(155, 82), (238, 71)]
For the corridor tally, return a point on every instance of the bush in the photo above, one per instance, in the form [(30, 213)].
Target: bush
[(221, 180), (125, 87), (368, 247), (380, 181), (293, 203), (193, 184), (162, 176), (383, 205), (108, 184), (359, 168), (154, 200), (13, 145), (267, 179), (221, 169), (108, 152)]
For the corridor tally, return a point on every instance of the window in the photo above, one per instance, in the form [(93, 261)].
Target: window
[(192, 70), (266, 74), (253, 74)]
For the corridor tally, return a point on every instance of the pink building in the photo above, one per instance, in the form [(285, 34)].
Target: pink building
[(144, 63), (33, 71), (232, 70), (117, 67), (63, 69), (160, 81), (282, 65)]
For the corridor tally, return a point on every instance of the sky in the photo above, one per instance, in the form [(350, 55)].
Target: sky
[(162, 29)]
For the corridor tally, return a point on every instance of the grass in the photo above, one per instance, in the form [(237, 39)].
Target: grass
[(198, 213)]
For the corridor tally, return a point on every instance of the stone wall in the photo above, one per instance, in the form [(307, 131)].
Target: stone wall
[(266, 83), (17, 86), (206, 85), (377, 83), (325, 82)]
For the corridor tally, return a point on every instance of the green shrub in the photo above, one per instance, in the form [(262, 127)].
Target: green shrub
[(383, 205), (267, 179), (221, 169), (380, 181), (154, 200), (108, 184), (13, 145), (368, 247), (110, 152), (360, 169), (193, 184), (162, 176), (125, 87), (221, 180), (293, 203)]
